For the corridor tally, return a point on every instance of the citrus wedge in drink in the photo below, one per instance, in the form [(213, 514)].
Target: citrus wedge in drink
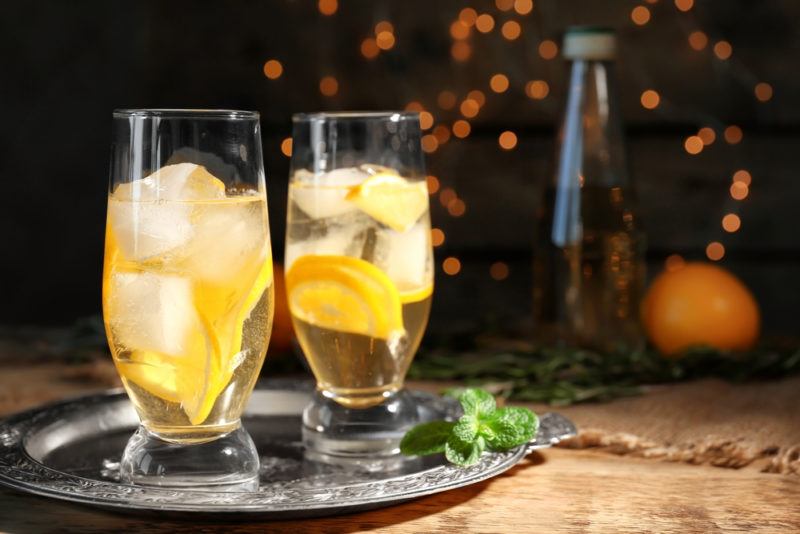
[(391, 199)]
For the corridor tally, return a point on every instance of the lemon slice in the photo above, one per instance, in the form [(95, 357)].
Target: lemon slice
[(391, 200), (152, 372), (344, 294), (410, 296)]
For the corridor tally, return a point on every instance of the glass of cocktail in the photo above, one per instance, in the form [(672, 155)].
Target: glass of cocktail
[(359, 277), (187, 291)]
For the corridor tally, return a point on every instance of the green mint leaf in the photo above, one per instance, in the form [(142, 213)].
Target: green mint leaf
[(509, 427), (427, 438), (464, 453), (477, 402), (466, 429)]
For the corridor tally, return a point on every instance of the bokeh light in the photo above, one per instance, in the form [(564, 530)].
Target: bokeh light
[(459, 30), (442, 133), (763, 91), (733, 135), (674, 262), (484, 23), (446, 100), (742, 176), (693, 145), (523, 7), (385, 40), (369, 48), (477, 96), (456, 207), (640, 15), (429, 143), (273, 69), (511, 30), (432, 183), (739, 190), (425, 120), (537, 89), (328, 7), (469, 108), (715, 251), (451, 266), (504, 5), (684, 5), (461, 128), (286, 147), (384, 26), (723, 50), (548, 49), (415, 106), (731, 222), (447, 195), (698, 40), (499, 83), (507, 140), (461, 51), (650, 99), (468, 16), (707, 134), (499, 270), (329, 86), (437, 237)]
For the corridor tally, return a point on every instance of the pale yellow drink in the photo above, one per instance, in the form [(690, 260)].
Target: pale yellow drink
[(359, 278), (187, 299)]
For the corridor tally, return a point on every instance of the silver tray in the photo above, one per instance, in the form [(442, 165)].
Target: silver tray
[(70, 451)]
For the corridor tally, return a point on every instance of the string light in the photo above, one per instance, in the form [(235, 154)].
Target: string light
[(442, 133), (499, 83), (511, 30), (523, 7), (484, 23), (507, 140), (693, 145), (328, 86), (640, 15), (763, 91), (437, 237), (273, 69), (684, 5), (446, 100), (469, 108), (733, 135), (731, 222), (708, 135), (461, 51), (739, 190), (674, 262), (328, 7), (650, 99), (498, 270), (432, 183), (504, 5), (451, 266), (429, 143), (537, 89), (425, 120), (369, 48), (447, 195), (715, 251), (461, 128), (698, 40), (548, 49), (723, 50), (742, 176), (286, 147)]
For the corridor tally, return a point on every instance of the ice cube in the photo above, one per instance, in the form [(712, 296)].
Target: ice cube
[(404, 256), (152, 312), (146, 216), (228, 239), (335, 243), (182, 181), (324, 195)]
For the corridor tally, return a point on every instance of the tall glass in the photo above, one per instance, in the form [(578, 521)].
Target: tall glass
[(359, 276), (187, 290)]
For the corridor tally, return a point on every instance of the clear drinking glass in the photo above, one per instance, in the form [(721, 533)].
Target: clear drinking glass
[(187, 290), (359, 276)]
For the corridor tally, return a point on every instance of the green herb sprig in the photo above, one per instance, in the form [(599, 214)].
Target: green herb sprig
[(483, 427)]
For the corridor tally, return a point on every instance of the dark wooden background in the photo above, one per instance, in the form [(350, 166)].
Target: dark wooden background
[(66, 65)]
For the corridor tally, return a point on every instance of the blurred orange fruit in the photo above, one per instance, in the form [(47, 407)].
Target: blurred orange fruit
[(282, 331), (700, 304)]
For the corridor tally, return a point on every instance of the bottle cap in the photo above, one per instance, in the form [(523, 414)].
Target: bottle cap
[(590, 42)]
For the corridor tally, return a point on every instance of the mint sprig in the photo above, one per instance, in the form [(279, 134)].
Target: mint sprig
[(482, 427)]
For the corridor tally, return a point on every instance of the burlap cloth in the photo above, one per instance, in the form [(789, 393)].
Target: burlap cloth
[(714, 422)]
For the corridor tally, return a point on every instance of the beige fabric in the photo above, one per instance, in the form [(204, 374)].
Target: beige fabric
[(709, 421)]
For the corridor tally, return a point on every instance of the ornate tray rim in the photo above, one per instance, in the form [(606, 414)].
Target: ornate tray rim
[(18, 470)]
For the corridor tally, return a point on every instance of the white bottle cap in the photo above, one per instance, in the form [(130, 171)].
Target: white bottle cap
[(590, 42)]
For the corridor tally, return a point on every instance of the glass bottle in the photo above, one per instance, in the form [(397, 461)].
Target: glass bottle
[(589, 264)]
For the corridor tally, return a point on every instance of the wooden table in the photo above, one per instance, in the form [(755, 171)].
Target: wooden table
[(556, 490)]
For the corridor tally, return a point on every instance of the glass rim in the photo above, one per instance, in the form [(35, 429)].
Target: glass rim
[(178, 113), (356, 115)]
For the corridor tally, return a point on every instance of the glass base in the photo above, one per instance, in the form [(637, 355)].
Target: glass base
[(228, 463), (363, 438)]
